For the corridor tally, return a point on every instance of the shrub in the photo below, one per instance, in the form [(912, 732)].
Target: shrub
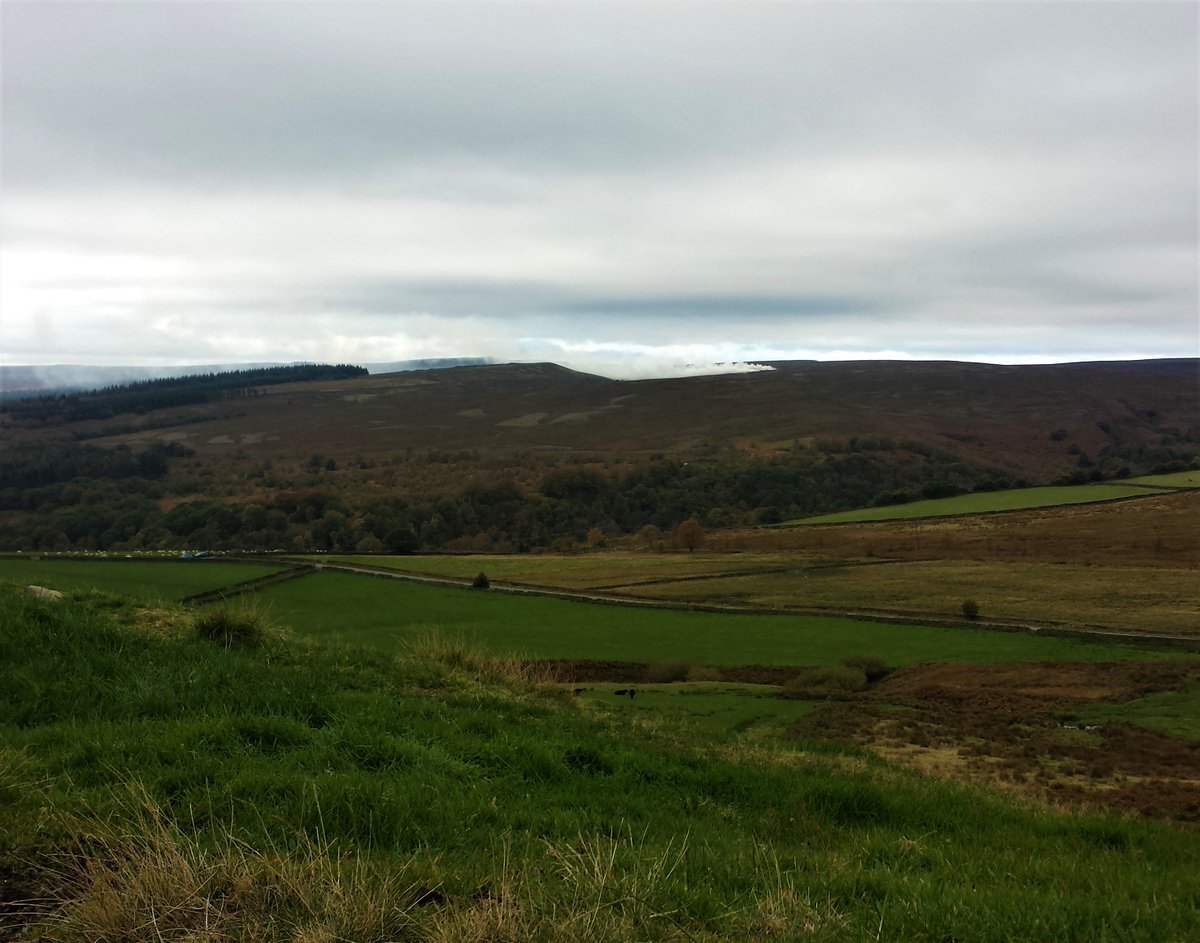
[(874, 668), (230, 626), (664, 672), (826, 682), (481, 581), (970, 609)]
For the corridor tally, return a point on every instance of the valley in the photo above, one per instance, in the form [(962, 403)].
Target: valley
[(507, 652)]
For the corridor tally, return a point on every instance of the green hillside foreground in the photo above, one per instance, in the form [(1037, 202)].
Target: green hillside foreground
[(280, 791), (986, 502)]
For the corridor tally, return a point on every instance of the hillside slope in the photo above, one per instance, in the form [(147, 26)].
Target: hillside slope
[(1003, 415)]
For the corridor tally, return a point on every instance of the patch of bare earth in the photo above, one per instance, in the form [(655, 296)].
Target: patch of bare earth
[(589, 671), (1011, 727), (26, 896)]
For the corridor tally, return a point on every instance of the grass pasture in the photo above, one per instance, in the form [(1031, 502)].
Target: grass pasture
[(1175, 713), (1161, 600), (986, 502), (146, 580), (386, 614), (1183, 479)]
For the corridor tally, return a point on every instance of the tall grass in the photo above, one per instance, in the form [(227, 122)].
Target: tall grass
[(143, 877), (456, 651)]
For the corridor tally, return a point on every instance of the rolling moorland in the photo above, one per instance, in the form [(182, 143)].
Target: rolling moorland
[(534, 456), (951, 709)]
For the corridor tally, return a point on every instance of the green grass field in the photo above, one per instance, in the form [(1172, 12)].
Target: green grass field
[(713, 709), (150, 581), (1175, 713), (158, 787), (987, 502), (385, 614), (1183, 479)]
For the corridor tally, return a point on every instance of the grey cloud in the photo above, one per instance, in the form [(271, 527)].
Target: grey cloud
[(264, 93), (727, 307), (441, 179)]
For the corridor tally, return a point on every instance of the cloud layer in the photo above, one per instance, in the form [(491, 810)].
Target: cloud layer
[(622, 187)]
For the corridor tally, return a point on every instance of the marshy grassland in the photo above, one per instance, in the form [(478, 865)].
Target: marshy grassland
[(160, 783)]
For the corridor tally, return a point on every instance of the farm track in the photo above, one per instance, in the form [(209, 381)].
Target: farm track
[(1049, 628)]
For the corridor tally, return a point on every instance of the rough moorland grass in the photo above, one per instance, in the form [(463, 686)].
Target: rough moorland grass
[(297, 794), (982, 503), (385, 614), (140, 579), (1150, 600)]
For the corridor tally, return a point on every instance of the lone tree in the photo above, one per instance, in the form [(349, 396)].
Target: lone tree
[(970, 609), (649, 536), (690, 534), (481, 581)]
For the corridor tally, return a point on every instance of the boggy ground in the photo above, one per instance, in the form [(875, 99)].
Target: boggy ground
[(1014, 727)]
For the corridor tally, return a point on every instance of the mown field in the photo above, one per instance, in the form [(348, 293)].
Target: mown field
[(156, 785), (988, 502)]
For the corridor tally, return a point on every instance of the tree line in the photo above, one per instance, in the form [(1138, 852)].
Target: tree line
[(143, 396), (73, 496)]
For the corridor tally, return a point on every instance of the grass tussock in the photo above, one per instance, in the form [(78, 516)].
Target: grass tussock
[(242, 624), (146, 879), (458, 653)]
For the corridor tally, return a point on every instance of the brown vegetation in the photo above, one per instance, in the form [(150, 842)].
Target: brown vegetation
[(1010, 726), (1158, 531)]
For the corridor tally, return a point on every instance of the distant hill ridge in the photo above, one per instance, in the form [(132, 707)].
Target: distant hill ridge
[(62, 378)]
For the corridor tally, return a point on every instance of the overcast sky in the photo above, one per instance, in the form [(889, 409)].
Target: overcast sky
[(626, 188)]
